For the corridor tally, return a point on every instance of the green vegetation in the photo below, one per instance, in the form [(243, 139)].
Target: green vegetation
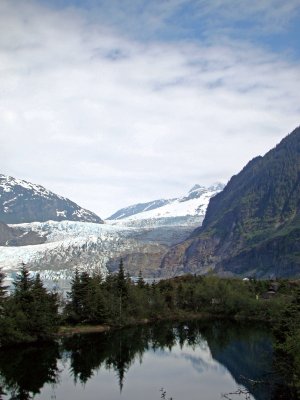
[(287, 342), (252, 227), (235, 344), (31, 313), (117, 301)]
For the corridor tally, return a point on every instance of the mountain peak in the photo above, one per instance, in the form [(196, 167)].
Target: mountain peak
[(212, 187), (187, 210), (22, 201), (252, 227), (196, 187)]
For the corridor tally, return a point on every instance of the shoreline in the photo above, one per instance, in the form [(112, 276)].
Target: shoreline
[(100, 328)]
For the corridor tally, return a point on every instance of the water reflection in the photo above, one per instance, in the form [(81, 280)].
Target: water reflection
[(208, 356), (23, 372)]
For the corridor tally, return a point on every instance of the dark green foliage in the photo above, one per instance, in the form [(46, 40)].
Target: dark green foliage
[(118, 301), (140, 281), (244, 349), (265, 191), (30, 313), (3, 289), (25, 372), (287, 335), (121, 281)]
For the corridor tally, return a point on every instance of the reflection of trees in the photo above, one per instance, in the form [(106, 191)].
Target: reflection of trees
[(246, 351), (2, 393), (23, 372), (237, 346), (117, 350)]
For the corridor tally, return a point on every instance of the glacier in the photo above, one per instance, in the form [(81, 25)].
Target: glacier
[(141, 239)]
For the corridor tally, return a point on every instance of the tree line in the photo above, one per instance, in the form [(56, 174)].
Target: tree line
[(31, 313), (25, 375)]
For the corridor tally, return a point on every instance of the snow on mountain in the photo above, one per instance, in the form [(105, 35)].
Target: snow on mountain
[(138, 208), (68, 245), (141, 240), (22, 201), (187, 210), (87, 246)]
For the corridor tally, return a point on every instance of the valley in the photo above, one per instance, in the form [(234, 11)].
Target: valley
[(140, 235)]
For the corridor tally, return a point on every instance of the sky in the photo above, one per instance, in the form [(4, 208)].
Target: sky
[(116, 102)]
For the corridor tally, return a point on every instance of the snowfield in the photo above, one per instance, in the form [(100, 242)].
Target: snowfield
[(68, 244), (188, 210)]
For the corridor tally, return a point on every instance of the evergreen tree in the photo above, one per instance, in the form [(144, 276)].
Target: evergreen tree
[(140, 282), (23, 284), (73, 308), (122, 281), (2, 301), (44, 312), (30, 313), (3, 289)]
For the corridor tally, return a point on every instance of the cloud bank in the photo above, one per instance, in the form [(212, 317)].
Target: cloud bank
[(107, 120)]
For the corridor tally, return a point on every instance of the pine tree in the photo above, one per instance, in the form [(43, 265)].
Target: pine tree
[(3, 289), (73, 309), (122, 281), (44, 311), (36, 309), (140, 281), (23, 284)]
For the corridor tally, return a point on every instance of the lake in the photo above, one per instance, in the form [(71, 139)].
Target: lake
[(189, 360)]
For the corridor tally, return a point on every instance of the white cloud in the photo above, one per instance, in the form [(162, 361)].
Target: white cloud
[(107, 120)]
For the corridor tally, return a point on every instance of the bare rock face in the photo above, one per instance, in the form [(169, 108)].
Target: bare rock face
[(252, 227), (21, 201), (146, 258), (18, 237)]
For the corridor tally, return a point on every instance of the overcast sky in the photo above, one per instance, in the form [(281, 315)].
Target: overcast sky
[(116, 102)]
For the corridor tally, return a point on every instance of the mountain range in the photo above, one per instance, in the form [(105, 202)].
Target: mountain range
[(252, 227), (187, 210), (141, 234), (22, 201)]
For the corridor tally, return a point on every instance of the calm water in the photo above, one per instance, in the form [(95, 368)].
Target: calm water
[(192, 360)]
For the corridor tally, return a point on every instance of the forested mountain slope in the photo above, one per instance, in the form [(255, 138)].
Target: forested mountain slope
[(252, 227)]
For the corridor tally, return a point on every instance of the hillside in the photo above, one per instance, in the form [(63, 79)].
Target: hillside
[(252, 227), (22, 201)]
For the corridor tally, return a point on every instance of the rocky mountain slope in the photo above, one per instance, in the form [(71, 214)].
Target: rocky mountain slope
[(18, 237), (252, 227), (21, 201)]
